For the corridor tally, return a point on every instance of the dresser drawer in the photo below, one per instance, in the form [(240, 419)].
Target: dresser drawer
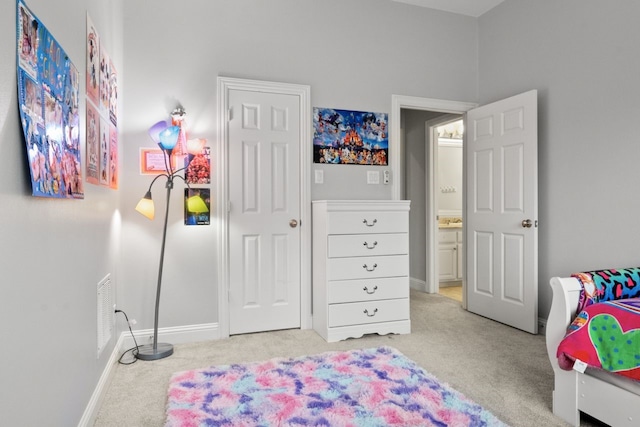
[(347, 245), (367, 222), (367, 267), (358, 313), (367, 289)]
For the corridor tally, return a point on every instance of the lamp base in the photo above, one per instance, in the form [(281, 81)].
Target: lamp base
[(147, 352)]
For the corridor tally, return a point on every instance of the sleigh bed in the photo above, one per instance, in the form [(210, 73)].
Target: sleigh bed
[(593, 343)]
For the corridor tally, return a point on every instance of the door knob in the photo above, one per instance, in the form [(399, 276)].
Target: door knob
[(527, 223), (293, 223)]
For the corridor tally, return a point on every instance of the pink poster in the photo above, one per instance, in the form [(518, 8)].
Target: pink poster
[(113, 157), (93, 62), (93, 144)]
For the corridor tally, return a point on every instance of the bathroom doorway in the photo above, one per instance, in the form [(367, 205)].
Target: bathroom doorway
[(446, 139)]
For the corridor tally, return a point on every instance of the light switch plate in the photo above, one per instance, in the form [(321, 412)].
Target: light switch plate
[(319, 176), (373, 177)]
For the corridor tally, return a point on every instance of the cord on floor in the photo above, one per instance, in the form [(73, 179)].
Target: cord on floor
[(133, 350)]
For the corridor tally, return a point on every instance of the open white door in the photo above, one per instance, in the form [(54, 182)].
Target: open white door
[(502, 211)]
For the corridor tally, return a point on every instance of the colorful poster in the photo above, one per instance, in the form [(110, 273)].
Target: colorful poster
[(113, 157), (105, 81), (93, 62), (197, 213), (93, 145), (113, 94), (350, 137), (48, 97), (198, 167), (104, 151)]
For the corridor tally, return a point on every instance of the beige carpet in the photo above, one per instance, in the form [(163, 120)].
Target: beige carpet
[(501, 368)]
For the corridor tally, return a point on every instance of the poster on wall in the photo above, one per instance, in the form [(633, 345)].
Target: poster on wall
[(48, 98), (93, 62), (104, 151), (350, 137), (197, 213), (102, 113), (198, 170), (93, 144), (113, 157)]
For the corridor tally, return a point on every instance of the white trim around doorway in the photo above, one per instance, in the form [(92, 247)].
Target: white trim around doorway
[(398, 102), (225, 84)]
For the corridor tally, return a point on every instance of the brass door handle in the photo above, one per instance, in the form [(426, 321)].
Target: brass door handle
[(527, 223), (293, 223)]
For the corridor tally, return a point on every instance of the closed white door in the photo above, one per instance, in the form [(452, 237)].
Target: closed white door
[(264, 211), (502, 211)]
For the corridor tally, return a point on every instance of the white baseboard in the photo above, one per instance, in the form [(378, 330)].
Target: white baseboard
[(91, 411), (174, 335)]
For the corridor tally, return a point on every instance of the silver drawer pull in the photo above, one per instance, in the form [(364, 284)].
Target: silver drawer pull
[(365, 222), (369, 269), (370, 247), (370, 315), (366, 289)]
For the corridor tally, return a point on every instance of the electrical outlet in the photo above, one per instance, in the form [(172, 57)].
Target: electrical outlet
[(385, 177)]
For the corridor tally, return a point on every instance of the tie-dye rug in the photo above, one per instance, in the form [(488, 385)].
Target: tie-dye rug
[(371, 387)]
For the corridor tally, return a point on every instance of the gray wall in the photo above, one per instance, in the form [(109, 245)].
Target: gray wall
[(353, 54), (582, 56), (53, 253)]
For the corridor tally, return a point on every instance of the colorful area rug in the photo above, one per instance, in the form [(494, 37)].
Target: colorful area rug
[(372, 387)]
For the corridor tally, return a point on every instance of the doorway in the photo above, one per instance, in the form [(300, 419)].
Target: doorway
[(445, 136), (424, 243)]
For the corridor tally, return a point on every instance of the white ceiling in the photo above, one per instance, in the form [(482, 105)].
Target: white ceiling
[(473, 8)]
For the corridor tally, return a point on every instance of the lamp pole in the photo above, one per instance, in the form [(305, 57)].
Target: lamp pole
[(159, 350)]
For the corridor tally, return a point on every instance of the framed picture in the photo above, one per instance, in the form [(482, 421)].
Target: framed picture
[(350, 137)]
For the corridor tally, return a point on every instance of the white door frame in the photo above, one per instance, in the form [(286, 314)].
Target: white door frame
[(431, 184), (399, 102), (225, 84)]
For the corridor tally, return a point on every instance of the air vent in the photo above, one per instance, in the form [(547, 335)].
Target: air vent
[(105, 312)]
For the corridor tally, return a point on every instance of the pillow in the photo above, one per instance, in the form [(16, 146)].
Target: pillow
[(608, 285)]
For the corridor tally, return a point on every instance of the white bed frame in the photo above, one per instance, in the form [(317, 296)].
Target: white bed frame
[(612, 399)]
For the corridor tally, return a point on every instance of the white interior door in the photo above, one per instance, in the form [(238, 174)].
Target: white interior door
[(264, 211), (502, 211)]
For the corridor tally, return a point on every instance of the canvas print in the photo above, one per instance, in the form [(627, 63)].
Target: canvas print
[(350, 137), (93, 62), (48, 99), (197, 218)]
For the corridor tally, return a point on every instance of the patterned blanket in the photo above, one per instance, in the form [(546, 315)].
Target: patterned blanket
[(605, 335)]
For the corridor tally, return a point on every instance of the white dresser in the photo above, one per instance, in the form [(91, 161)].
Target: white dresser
[(360, 268)]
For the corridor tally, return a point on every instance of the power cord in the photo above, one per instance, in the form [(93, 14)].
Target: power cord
[(133, 350)]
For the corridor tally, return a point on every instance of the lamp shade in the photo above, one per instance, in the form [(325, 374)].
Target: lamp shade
[(154, 131), (169, 137), (195, 204), (145, 206)]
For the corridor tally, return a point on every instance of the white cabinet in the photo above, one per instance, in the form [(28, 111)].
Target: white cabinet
[(360, 268), (450, 248)]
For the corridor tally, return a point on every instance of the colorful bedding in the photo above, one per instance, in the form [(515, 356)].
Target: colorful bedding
[(605, 335)]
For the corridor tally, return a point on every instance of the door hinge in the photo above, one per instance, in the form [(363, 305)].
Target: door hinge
[(230, 114), (228, 206)]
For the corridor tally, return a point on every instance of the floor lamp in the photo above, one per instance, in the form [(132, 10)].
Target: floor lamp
[(166, 136)]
